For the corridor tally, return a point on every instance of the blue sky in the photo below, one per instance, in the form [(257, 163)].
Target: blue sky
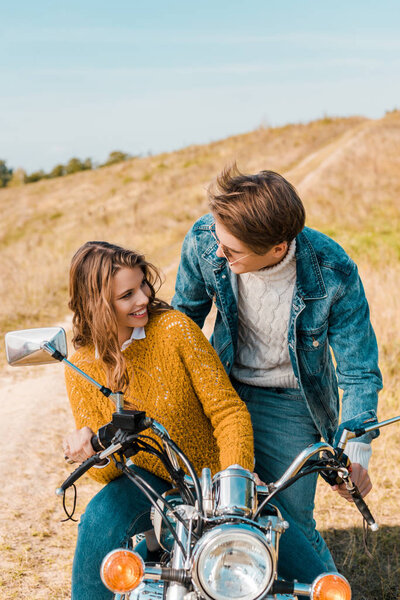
[(84, 78)]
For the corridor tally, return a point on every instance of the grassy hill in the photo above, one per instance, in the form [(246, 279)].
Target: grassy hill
[(347, 172), (144, 203)]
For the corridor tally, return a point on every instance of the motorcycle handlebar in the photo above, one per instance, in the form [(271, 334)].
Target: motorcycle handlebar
[(96, 459), (134, 421), (97, 447), (79, 471), (339, 477)]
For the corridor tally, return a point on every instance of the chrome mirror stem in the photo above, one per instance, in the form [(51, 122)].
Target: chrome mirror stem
[(117, 397)]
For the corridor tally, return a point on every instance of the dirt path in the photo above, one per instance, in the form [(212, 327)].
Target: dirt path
[(303, 175), (35, 548)]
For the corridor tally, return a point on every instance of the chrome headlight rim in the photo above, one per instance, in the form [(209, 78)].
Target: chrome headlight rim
[(234, 530)]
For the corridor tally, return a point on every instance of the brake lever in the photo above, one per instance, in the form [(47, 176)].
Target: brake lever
[(94, 460), (342, 475), (79, 471), (360, 503)]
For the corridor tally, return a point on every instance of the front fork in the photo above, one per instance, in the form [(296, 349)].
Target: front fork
[(178, 591)]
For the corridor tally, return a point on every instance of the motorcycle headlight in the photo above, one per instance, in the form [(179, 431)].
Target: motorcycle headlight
[(233, 562)]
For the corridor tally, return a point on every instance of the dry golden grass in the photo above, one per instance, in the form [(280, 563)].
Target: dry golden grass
[(348, 173), (147, 204)]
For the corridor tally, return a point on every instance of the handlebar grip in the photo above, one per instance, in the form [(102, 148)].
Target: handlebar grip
[(97, 447), (79, 471), (363, 508)]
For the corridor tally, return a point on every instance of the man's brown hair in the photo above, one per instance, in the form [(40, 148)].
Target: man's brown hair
[(261, 210)]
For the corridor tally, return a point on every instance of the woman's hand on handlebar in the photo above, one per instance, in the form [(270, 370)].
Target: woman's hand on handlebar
[(257, 479), (77, 446), (360, 477)]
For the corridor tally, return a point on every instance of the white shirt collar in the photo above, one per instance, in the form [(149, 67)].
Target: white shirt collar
[(138, 333)]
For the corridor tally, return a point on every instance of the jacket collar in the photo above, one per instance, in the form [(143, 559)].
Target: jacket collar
[(209, 253), (310, 283)]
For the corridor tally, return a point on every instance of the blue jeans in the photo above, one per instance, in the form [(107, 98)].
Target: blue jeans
[(117, 512), (283, 427)]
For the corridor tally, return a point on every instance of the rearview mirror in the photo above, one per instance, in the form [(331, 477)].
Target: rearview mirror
[(25, 347)]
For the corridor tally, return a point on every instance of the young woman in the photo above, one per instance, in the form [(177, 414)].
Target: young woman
[(128, 339)]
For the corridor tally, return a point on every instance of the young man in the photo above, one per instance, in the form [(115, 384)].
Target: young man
[(285, 296)]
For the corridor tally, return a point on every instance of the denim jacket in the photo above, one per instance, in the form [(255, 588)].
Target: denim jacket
[(329, 310)]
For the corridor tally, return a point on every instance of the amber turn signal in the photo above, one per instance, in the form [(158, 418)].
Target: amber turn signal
[(331, 587), (122, 571)]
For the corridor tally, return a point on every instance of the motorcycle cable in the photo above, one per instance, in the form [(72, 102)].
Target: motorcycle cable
[(142, 445), (121, 437), (195, 479), (177, 476), (158, 496), (125, 441), (354, 492), (132, 444), (141, 484), (70, 515), (141, 436), (315, 469)]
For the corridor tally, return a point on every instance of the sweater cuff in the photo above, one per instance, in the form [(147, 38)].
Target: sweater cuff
[(244, 459), (358, 452)]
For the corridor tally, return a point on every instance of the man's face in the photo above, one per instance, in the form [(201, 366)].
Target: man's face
[(240, 258)]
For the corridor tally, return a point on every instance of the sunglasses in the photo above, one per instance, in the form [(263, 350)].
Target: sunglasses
[(227, 254)]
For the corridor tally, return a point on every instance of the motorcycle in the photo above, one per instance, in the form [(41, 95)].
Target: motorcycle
[(218, 536)]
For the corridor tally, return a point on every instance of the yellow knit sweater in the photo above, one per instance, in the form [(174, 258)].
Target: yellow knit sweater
[(176, 377)]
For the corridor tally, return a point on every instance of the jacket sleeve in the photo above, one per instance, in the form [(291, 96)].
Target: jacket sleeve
[(353, 342), (191, 295), (90, 409), (228, 414)]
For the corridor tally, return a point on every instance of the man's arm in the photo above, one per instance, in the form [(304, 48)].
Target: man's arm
[(354, 345), (353, 342), (191, 295)]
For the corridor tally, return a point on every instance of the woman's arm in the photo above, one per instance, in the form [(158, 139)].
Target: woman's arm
[(90, 409), (227, 412)]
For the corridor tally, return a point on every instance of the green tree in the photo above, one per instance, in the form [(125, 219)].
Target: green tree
[(35, 176), (57, 171), (5, 174), (115, 157), (87, 164), (75, 165)]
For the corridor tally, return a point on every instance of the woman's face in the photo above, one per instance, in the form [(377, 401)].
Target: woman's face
[(130, 297)]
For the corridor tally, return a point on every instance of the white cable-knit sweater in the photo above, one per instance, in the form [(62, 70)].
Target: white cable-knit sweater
[(265, 298), (262, 359)]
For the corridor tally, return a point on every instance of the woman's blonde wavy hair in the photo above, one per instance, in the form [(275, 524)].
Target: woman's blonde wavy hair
[(94, 321)]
